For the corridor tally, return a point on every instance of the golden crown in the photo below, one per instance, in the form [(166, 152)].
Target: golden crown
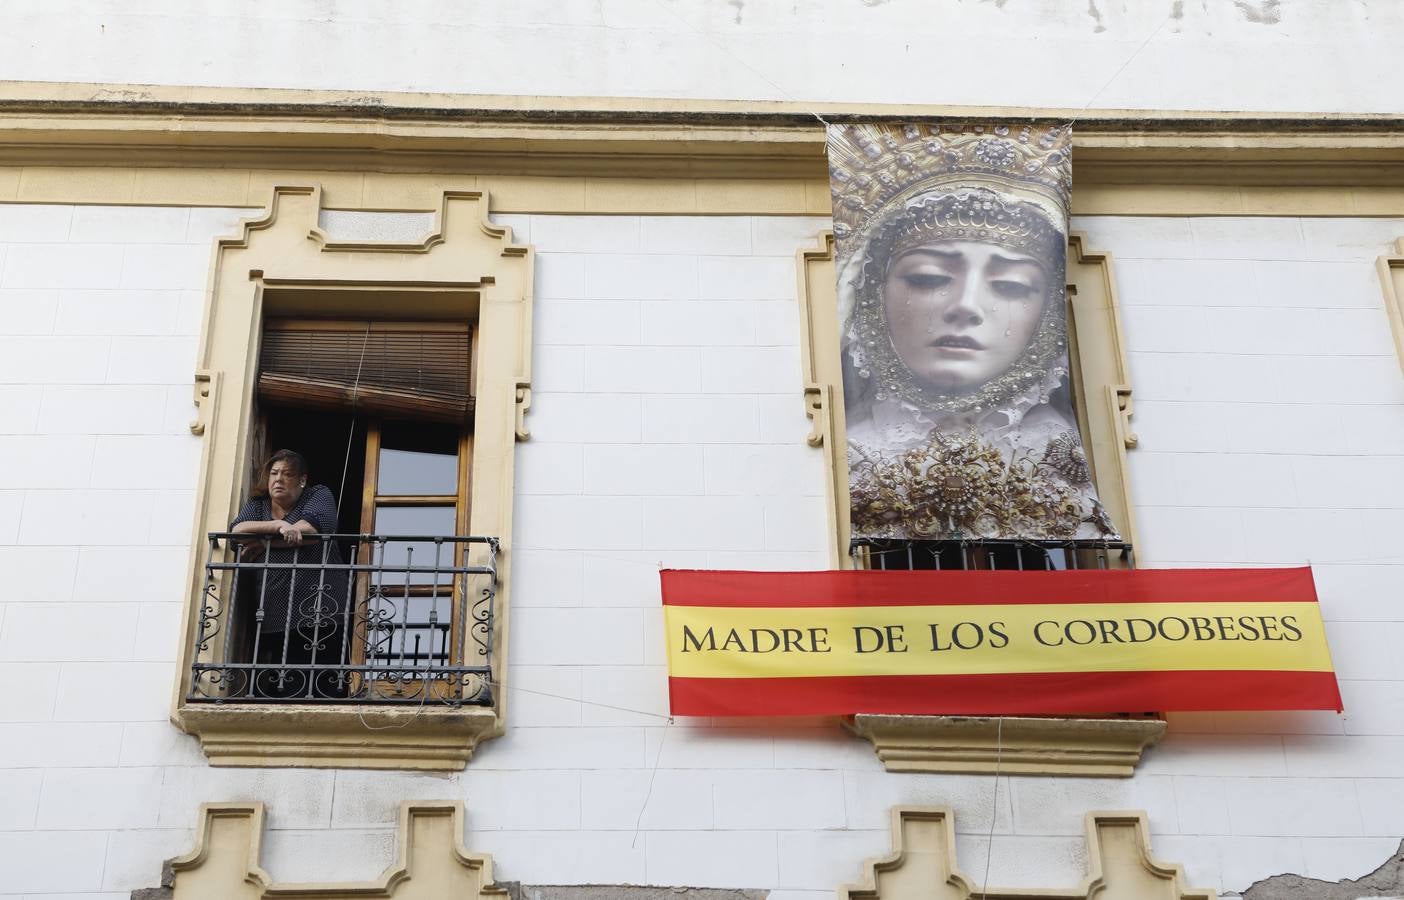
[(873, 166)]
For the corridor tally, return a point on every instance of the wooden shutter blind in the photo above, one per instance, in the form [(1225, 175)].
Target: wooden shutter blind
[(411, 370)]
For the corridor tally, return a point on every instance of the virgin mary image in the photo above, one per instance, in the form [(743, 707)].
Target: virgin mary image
[(952, 247)]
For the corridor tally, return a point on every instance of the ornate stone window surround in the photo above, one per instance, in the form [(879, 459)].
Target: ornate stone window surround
[(432, 862), (923, 864), (465, 268), (980, 744), (1391, 268)]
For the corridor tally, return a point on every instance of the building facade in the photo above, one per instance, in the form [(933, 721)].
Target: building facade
[(626, 206)]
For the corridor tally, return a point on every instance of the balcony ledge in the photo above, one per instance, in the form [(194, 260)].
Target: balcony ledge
[(1009, 745), (425, 738)]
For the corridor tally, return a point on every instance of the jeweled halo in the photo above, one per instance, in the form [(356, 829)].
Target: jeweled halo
[(874, 168)]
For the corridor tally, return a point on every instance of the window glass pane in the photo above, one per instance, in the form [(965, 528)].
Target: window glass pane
[(414, 520), (418, 458)]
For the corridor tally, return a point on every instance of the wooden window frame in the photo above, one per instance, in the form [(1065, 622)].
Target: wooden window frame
[(1391, 270), (372, 500), (281, 264)]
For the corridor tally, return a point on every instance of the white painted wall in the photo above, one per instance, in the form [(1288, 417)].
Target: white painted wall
[(668, 428), (1281, 55)]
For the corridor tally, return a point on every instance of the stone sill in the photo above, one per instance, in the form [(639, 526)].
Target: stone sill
[(426, 738), (1013, 745)]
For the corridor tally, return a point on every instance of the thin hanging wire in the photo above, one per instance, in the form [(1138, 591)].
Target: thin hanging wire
[(994, 807), (628, 709), (351, 432), (825, 122), (743, 63), (345, 467), (652, 775), (1117, 74)]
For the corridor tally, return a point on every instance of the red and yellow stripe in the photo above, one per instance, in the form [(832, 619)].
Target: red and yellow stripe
[(825, 643)]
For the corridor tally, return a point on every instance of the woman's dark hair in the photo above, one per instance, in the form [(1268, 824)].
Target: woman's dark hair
[(296, 461)]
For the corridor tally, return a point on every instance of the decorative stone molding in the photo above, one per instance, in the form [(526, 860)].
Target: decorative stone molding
[(823, 380), (425, 737), (1013, 745), (431, 862), (282, 263), (1391, 270), (206, 383), (523, 398), (1071, 746), (107, 143), (1101, 377), (923, 866)]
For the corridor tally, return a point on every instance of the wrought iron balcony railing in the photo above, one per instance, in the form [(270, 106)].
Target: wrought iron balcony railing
[(346, 618), (981, 553)]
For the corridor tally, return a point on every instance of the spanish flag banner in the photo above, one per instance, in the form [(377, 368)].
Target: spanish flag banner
[(995, 643)]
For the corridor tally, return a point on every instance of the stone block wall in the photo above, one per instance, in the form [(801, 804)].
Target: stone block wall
[(668, 429)]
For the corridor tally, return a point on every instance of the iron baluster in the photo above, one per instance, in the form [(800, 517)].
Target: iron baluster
[(1014, 554), (287, 626), (316, 612), (262, 611), (349, 601), (404, 609), (434, 606)]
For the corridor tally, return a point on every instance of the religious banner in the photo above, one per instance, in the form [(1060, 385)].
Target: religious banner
[(951, 261), (995, 642)]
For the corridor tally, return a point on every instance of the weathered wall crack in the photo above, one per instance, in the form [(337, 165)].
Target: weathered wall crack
[(1382, 884)]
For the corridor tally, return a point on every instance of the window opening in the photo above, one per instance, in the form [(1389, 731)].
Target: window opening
[(383, 603)]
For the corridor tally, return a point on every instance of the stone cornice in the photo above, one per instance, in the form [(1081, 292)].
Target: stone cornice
[(137, 125)]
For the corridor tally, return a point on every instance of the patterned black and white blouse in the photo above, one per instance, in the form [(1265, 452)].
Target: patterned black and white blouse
[(304, 586)]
